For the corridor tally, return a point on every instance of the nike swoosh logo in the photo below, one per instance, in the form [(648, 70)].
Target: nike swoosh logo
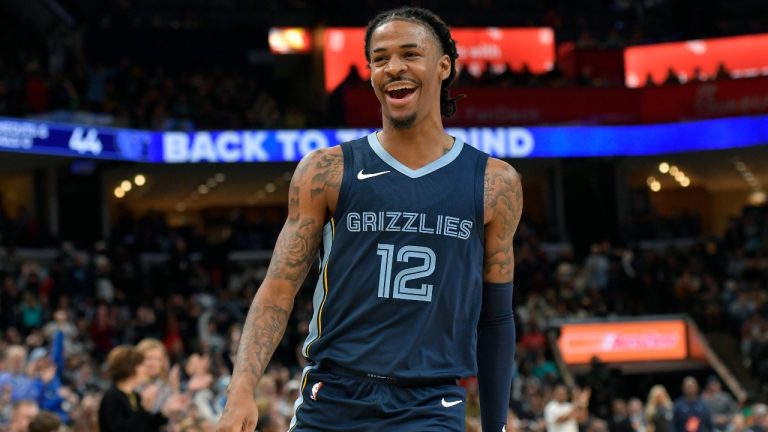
[(447, 404), (362, 176)]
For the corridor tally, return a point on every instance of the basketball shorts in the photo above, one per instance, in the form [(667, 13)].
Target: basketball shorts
[(335, 401)]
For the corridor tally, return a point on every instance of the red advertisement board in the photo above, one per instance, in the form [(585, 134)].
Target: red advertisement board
[(495, 106), (741, 56), (624, 341), (477, 47)]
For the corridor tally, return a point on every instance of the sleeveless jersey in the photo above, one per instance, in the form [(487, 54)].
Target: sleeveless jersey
[(400, 287)]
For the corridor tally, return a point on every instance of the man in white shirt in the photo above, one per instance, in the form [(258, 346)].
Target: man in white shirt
[(563, 416)]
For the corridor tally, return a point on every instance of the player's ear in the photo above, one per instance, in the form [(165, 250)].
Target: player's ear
[(444, 67)]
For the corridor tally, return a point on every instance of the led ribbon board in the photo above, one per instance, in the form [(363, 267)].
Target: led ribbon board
[(233, 146)]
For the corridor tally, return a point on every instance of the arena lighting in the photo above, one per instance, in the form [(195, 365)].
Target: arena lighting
[(244, 146), (650, 180), (270, 187), (126, 185), (202, 189), (220, 177), (655, 186), (673, 170), (685, 182), (663, 167), (757, 198), (211, 183), (119, 192), (139, 180), (180, 207), (293, 40)]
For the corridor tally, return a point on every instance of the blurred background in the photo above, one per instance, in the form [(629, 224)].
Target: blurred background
[(146, 148)]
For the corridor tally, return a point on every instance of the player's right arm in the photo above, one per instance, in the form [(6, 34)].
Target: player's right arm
[(313, 193)]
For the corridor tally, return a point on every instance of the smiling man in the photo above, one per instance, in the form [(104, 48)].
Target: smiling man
[(415, 233)]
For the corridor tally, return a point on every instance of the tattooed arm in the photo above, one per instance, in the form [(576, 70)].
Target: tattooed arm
[(496, 330), (312, 196)]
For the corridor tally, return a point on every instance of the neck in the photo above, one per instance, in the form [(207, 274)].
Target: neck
[(418, 145), (126, 386)]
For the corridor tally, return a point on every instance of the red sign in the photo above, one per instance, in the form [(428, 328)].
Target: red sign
[(741, 56), (505, 106), (477, 47), (624, 341)]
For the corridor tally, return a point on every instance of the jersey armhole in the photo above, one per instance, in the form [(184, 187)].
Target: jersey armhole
[(348, 160), (482, 166)]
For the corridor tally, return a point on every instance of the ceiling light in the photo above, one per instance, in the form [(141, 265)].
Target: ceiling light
[(673, 170), (211, 183), (663, 167), (655, 186), (220, 177), (757, 198), (119, 192), (685, 182), (740, 166), (140, 180), (202, 189), (270, 187), (126, 185), (181, 207), (679, 176), (650, 180)]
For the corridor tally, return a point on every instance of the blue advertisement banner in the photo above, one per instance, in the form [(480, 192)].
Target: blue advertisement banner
[(81, 141)]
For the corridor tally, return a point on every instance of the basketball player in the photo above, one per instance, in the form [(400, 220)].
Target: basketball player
[(415, 229)]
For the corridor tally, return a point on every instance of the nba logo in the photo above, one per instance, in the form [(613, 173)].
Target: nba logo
[(316, 388)]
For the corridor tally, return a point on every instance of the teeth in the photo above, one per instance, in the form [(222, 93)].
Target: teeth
[(401, 88)]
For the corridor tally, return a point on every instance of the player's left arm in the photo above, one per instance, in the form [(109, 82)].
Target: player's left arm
[(503, 205)]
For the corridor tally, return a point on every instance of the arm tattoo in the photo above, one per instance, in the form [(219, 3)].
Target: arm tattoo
[(316, 177), (263, 329), (504, 201)]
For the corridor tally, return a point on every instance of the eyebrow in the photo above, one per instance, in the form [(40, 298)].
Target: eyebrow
[(408, 45)]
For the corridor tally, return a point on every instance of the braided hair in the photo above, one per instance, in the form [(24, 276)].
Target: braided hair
[(439, 29)]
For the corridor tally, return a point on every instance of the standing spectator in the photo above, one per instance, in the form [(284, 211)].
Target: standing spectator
[(563, 416), (721, 405), (691, 414), (121, 408), (636, 416), (619, 421), (659, 410)]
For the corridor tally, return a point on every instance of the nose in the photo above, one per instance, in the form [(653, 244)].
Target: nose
[(395, 66)]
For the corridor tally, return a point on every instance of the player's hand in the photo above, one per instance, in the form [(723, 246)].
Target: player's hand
[(240, 414)]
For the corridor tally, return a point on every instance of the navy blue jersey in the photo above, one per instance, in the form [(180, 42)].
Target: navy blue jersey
[(400, 288)]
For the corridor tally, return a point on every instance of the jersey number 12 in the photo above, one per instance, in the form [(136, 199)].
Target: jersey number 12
[(401, 290)]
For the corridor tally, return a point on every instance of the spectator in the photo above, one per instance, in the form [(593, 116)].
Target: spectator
[(760, 418), (122, 409), (637, 420), (160, 383), (691, 414), (659, 410), (619, 421), (22, 414), (23, 387), (721, 405), (563, 416), (45, 421)]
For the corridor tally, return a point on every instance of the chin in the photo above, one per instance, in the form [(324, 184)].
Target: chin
[(402, 122)]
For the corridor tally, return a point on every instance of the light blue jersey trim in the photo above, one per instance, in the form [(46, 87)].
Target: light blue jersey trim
[(300, 400), (319, 294), (431, 167)]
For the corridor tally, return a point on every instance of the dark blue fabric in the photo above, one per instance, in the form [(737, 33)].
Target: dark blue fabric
[(353, 404), (695, 411), (367, 328), (495, 355)]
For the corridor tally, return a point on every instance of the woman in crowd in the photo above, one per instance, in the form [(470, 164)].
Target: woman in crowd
[(122, 409), (160, 383), (659, 410)]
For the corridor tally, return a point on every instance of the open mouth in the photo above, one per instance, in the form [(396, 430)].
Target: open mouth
[(401, 93)]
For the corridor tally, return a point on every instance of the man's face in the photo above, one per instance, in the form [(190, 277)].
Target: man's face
[(407, 68), (690, 387)]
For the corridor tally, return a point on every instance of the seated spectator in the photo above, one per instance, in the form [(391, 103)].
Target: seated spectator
[(22, 414), (45, 421), (563, 416)]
